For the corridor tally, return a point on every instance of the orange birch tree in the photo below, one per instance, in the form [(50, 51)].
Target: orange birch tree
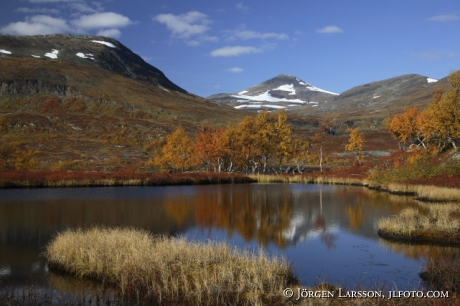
[(209, 148), (177, 153)]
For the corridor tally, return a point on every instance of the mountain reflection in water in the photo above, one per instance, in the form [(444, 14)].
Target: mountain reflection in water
[(327, 232)]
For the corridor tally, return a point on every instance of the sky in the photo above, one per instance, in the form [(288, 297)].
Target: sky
[(209, 47)]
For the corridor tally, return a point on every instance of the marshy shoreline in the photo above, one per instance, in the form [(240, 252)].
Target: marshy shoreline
[(57, 179)]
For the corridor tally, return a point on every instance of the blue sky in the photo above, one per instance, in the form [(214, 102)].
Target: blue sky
[(209, 47)]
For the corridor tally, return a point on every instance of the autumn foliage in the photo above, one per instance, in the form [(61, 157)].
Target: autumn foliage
[(255, 144), (437, 126), (356, 143)]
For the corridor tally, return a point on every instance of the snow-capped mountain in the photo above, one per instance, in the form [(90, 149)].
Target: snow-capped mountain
[(283, 91)]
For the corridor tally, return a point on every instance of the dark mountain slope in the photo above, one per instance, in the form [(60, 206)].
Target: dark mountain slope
[(95, 51)]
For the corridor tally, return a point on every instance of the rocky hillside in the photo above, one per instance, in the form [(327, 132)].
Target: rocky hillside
[(90, 99), (283, 91), (380, 99)]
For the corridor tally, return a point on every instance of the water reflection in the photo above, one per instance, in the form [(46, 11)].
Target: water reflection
[(322, 230)]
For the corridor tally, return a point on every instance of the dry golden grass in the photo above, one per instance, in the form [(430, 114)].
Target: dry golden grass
[(171, 270), (431, 222), (14, 178), (432, 192), (308, 179)]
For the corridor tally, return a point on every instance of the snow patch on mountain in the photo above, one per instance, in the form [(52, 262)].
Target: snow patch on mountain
[(266, 96), (36, 56), (286, 87), (314, 88), (5, 51), (104, 43), (88, 55), (431, 80), (260, 106), (52, 54)]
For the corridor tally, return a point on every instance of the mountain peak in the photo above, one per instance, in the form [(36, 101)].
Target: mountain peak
[(282, 91)]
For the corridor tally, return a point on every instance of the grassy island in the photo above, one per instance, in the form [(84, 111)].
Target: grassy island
[(173, 271), (436, 223)]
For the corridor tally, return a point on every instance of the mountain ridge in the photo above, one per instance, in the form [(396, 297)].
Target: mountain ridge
[(381, 99), (97, 51)]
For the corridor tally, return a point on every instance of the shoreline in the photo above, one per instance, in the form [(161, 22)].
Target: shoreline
[(419, 192), (58, 179), (423, 193), (409, 230), (53, 179)]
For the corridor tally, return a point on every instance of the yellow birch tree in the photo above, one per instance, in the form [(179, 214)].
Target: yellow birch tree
[(355, 143)]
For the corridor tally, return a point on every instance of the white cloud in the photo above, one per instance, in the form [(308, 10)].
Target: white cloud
[(436, 55), (330, 30), (82, 7), (234, 51), (102, 20), (104, 24), (186, 25), (242, 7), (200, 39), (114, 33), (35, 25), (235, 70), (246, 35), (443, 18)]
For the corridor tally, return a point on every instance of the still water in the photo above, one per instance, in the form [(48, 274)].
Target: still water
[(328, 233)]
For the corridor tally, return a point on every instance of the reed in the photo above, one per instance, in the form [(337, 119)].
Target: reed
[(166, 270)]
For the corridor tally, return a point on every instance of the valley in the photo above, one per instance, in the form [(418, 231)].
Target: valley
[(89, 100)]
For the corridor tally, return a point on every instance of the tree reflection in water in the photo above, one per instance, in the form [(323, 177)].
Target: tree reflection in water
[(327, 236)]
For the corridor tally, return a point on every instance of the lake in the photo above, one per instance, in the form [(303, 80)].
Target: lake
[(328, 233)]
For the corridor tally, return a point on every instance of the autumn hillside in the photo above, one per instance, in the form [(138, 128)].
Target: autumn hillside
[(85, 99)]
